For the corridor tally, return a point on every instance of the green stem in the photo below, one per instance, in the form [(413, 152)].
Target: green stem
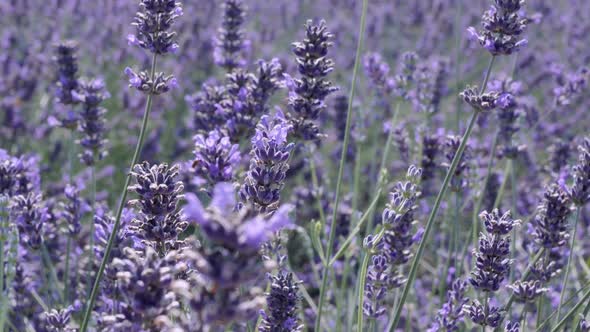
[(332, 236), (71, 153), (361, 290), (569, 315), (431, 218), (122, 201), (584, 313), (316, 187), (569, 263), (539, 311), (356, 230), (384, 159), (514, 211), (437, 202), (507, 170), (475, 226), (93, 212), (67, 268)]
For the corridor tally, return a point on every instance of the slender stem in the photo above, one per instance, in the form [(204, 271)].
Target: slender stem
[(475, 227), (514, 212), (355, 231), (67, 268), (500, 196), (71, 153), (539, 311), (93, 212), (361, 290), (584, 313), (384, 160), (112, 236), (569, 263), (437, 202), (316, 187), (569, 315), (357, 61), (523, 319), (430, 222)]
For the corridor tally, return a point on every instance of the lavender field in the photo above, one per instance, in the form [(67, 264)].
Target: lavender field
[(294, 165)]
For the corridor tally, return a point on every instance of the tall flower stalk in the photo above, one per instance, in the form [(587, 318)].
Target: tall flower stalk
[(332, 236), (153, 22), (502, 27)]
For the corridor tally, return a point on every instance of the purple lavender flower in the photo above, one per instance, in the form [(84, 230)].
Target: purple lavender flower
[(492, 262), (153, 22), (231, 43), (161, 83), (215, 157), (509, 110), (282, 303), (480, 102), (307, 94), (378, 72), (59, 320), (67, 81), (512, 327), (484, 315), (502, 26), (580, 190), (527, 291), (92, 94), (461, 176), (207, 114), (430, 81), (268, 165), (550, 224), (378, 281), (73, 209), (29, 214), (231, 260), (431, 147), (146, 288), (247, 95), (450, 316), (584, 325), (159, 222)]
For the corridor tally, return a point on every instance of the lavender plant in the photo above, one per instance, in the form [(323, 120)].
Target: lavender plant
[(206, 239)]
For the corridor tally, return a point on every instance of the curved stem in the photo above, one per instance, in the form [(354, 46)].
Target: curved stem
[(569, 263), (332, 236), (439, 198), (109, 247)]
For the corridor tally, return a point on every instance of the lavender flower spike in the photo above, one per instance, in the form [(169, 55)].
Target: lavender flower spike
[(92, 94), (268, 166), (307, 94), (282, 303), (67, 81), (215, 157), (502, 26), (580, 190), (160, 222), (450, 316), (153, 23), (231, 43)]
